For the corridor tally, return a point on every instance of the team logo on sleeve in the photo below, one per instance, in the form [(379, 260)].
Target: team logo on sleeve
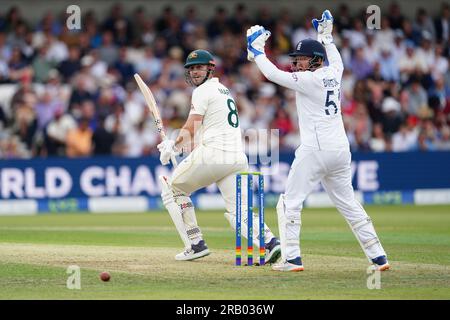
[(294, 76)]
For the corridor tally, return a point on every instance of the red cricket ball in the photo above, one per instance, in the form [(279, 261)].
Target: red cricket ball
[(105, 276)]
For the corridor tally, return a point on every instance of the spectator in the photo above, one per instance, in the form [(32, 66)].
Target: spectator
[(343, 19), (282, 122), (102, 139), (5, 49), (265, 18), (395, 16), (346, 52), (150, 66), (391, 118), (25, 120), (426, 52), (410, 33), (404, 139), (218, 23), (443, 144), (45, 109), (18, 67), (57, 50), (360, 67), (163, 22), (79, 94), (3, 118), (125, 68), (13, 19), (97, 64), (50, 24), (371, 51), (399, 48), (118, 122), (305, 31), (437, 96), (356, 34), (440, 64), (56, 133), (140, 140), (41, 65), (118, 27), (424, 143), (70, 66), (191, 22), (98, 67), (442, 24), (377, 142), (79, 140), (280, 39), (417, 97), (148, 34), (108, 52), (424, 23), (172, 33), (384, 36), (388, 65), (411, 63), (17, 37), (238, 19), (93, 34)]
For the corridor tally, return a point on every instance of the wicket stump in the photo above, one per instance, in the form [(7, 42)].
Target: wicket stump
[(260, 193)]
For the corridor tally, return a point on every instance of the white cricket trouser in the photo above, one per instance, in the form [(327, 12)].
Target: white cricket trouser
[(332, 168), (205, 166)]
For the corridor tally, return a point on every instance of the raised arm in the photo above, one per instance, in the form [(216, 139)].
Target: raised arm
[(334, 58), (271, 72), (324, 28), (256, 39)]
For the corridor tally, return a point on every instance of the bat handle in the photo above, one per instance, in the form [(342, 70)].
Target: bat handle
[(174, 161), (173, 158)]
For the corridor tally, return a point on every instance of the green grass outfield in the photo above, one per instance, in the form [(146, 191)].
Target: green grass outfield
[(138, 250)]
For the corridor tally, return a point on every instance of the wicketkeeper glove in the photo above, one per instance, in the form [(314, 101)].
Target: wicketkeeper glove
[(256, 39), (324, 27), (167, 151)]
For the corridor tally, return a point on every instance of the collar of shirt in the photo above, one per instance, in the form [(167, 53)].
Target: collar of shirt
[(214, 79)]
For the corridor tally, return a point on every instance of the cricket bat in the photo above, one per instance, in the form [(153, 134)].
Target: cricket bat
[(151, 104)]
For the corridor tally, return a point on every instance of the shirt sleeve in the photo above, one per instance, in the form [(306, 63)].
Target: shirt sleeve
[(293, 80), (199, 103), (334, 59)]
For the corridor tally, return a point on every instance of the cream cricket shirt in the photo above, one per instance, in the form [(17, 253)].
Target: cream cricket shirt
[(220, 127)]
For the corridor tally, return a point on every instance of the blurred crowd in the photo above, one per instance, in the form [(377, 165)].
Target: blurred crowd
[(72, 92)]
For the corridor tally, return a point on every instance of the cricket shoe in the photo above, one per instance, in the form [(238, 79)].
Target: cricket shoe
[(273, 250), (196, 251), (293, 265), (381, 263)]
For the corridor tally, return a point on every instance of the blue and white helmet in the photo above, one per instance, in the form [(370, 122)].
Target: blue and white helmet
[(310, 48)]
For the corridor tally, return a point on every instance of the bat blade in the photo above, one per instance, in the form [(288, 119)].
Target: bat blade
[(151, 104)]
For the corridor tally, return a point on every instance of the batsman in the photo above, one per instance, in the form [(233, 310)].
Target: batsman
[(324, 153), (217, 157)]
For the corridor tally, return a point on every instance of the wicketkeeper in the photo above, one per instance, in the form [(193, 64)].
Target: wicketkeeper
[(324, 153), (217, 158)]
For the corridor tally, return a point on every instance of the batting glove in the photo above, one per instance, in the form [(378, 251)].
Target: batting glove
[(256, 39), (324, 27), (167, 151)]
